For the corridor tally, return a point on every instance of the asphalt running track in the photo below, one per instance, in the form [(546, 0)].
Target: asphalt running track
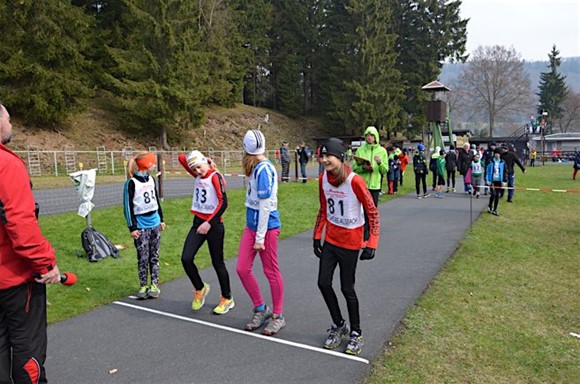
[(163, 341)]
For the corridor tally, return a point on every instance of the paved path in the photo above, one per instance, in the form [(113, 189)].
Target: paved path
[(163, 341)]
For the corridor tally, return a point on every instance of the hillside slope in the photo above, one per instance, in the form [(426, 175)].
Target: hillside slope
[(223, 129)]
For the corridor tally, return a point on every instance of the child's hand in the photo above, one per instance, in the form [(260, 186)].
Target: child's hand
[(135, 234), (378, 159), (204, 228), (259, 246), (163, 226)]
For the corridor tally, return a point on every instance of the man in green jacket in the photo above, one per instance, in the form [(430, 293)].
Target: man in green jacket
[(371, 162)]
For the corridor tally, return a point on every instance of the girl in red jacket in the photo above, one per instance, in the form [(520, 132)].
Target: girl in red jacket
[(208, 205), (344, 200)]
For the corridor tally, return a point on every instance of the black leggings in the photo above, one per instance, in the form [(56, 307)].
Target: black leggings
[(215, 242), (420, 177), (346, 259), (494, 195), (451, 179)]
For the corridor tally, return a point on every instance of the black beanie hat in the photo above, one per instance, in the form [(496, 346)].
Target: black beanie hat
[(334, 147)]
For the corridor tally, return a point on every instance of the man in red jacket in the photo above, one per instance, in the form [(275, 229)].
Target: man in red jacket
[(27, 263)]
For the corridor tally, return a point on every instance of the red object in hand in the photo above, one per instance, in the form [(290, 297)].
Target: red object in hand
[(68, 278)]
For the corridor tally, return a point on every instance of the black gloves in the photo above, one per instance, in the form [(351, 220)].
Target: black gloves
[(317, 248), (367, 254)]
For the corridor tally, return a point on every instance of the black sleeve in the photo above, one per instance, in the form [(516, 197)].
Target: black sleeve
[(222, 209), (159, 210)]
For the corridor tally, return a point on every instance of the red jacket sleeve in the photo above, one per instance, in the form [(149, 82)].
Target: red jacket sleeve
[(364, 196), (219, 184), (23, 249), (321, 217), (183, 161)]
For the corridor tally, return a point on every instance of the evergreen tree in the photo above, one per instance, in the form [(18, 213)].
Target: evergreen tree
[(340, 50), (43, 71), (552, 88), (377, 87), (429, 32), (220, 40), (363, 84), (159, 72), (285, 55), (252, 48)]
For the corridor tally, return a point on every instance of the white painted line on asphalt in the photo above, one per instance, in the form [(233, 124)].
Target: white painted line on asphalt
[(245, 333)]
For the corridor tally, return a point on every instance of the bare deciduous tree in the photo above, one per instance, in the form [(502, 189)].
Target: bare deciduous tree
[(570, 119), (494, 84)]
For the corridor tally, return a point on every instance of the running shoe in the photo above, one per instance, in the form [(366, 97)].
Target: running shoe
[(199, 298), (355, 344), (335, 335), (494, 213), (224, 306), (426, 195), (419, 197), (142, 294), (274, 326), (258, 319), (489, 210), (153, 292)]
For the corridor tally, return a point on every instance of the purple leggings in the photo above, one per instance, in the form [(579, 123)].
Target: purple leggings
[(269, 257)]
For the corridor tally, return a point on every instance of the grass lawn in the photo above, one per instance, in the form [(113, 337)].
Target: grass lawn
[(502, 309), (499, 312)]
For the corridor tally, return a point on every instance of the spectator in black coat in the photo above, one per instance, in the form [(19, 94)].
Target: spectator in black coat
[(303, 157), (285, 161), (576, 164), (510, 158), (451, 166)]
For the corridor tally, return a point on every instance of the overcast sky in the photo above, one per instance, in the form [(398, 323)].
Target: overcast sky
[(532, 27)]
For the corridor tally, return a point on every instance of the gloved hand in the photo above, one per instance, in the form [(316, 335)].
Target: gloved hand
[(317, 248), (367, 253)]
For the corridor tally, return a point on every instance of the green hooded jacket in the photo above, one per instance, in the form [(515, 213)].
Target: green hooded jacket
[(369, 151)]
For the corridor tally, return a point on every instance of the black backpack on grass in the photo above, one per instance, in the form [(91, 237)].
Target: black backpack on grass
[(96, 245)]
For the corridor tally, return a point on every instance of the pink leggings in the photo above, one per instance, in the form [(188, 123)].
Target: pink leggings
[(269, 258)]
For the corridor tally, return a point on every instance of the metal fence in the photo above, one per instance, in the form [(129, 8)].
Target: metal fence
[(60, 163)]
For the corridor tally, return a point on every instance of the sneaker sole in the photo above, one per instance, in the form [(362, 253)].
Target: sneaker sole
[(226, 311), (268, 333), (202, 301), (352, 353), (153, 296)]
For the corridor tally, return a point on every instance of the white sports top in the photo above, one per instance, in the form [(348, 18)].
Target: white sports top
[(145, 198), (252, 199), (342, 206), (205, 199)]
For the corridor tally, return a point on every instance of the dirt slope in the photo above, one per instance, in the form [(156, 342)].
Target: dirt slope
[(222, 129)]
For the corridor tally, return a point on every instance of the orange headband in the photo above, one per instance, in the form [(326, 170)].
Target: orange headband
[(146, 161)]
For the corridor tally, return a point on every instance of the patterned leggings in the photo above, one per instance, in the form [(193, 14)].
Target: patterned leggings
[(148, 254)]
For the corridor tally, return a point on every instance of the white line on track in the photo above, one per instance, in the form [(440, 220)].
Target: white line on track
[(245, 333)]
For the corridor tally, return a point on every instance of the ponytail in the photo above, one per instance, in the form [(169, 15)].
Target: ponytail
[(131, 167)]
